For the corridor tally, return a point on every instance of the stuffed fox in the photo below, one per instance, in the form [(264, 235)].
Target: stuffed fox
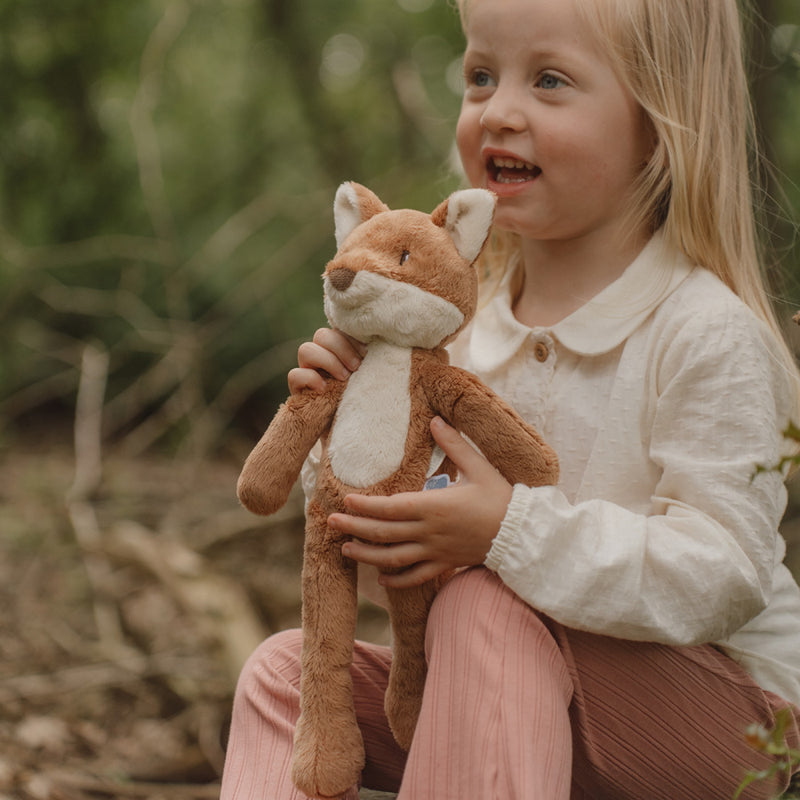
[(404, 283)]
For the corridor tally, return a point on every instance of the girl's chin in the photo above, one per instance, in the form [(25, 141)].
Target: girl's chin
[(517, 222)]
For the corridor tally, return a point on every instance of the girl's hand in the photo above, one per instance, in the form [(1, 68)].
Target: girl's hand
[(422, 534), (331, 353)]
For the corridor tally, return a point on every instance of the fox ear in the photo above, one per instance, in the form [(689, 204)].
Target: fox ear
[(467, 216), (353, 205)]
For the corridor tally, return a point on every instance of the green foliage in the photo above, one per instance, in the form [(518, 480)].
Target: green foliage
[(168, 171), (785, 47), (773, 743), (791, 434), (776, 90), (166, 180)]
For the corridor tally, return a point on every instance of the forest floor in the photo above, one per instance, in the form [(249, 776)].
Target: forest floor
[(125, 617), (126, 613)]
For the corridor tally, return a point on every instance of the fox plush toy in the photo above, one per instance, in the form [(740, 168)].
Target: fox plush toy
[(404, 283)]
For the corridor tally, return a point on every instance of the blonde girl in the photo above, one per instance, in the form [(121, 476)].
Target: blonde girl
[(613, 636)]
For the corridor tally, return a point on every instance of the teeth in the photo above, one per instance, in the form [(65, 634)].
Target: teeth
[(511, 163)]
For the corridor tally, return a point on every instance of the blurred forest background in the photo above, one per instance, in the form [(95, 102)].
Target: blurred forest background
[(167, 171)]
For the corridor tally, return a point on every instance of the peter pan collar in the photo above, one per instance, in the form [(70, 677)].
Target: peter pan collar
[(598, 326)]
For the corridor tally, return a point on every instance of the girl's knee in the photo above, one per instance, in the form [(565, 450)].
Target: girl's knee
[(467, 589), (466, 581), (477, 620), (276, 658), (470, 600), (475, 603)]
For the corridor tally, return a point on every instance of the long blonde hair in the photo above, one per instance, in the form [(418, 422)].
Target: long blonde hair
[(683, 61)]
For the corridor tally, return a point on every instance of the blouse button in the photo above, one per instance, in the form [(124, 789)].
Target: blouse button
[(541, 352)]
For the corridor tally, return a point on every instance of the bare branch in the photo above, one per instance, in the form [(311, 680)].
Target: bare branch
[(218, 414), (89, 423), (236, 230), (87, 251), (55, 386), (103, 303)]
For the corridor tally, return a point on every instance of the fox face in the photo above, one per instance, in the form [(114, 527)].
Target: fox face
[(404, 276)]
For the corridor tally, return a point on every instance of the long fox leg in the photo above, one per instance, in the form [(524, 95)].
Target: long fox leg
[(408, 610), (329, 750)]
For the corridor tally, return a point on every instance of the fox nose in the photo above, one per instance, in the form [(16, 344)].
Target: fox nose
[(341, 278)]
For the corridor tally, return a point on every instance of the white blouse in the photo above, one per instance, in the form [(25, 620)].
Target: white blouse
[(661, 396)]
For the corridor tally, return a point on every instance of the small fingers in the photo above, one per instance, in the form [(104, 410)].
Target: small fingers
[(330, 353), (359, 348), (400, 565), (376, 531), (469, 462), (313, 356), (301, 378), (451, 441), (347, 349), (396, 508), (392, 557)]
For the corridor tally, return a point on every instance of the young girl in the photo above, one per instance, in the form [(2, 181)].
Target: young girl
[(613, 636)]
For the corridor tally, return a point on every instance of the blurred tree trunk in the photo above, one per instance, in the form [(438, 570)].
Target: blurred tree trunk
[(762, 87), (765, 88), (285, 20)]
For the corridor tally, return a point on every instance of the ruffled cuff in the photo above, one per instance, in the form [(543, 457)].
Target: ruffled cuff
[(509, 527)]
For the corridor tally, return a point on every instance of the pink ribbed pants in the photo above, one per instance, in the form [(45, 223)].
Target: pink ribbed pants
[(517, 707)]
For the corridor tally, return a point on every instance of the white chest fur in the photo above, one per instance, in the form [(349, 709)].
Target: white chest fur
[(369, 433)]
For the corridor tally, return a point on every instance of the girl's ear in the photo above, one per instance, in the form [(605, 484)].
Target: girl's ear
[(353, 205), (467, 216)]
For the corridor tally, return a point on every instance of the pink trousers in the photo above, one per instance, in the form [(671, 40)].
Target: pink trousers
[(517, 707)]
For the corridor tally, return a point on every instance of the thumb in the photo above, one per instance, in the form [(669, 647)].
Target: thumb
[(469, 462)]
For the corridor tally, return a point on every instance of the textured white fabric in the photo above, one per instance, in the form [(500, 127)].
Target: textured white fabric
[(660, 396)]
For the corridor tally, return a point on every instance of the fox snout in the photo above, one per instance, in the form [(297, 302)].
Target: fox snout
[(341, 278)]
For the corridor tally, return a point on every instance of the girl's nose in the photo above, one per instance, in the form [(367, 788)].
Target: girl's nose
[(503, 112)]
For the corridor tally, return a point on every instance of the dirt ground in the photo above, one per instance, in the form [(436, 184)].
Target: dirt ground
[(125, 615)]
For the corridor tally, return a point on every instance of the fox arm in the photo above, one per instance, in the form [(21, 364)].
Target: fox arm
[(274, 464), (512, 446)]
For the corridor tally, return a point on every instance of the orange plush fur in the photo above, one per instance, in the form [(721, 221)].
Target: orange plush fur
[(404, 283)]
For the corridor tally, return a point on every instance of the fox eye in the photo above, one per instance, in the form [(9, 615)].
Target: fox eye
[(404, 256)]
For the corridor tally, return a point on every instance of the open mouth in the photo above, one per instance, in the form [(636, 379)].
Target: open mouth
[(512, 170)]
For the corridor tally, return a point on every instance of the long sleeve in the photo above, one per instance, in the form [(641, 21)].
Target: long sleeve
[(698, 563)]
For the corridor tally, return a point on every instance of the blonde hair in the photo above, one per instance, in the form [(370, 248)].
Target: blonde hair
[(683, 61)]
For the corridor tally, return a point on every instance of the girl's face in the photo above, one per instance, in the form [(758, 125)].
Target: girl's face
[(545, 123)]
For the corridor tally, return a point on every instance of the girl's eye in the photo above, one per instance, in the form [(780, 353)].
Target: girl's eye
[(550, 81), (404, 257), (479, 78)]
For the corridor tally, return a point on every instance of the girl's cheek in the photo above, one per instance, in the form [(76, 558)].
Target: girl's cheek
[(461, 135), (468, 141)]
